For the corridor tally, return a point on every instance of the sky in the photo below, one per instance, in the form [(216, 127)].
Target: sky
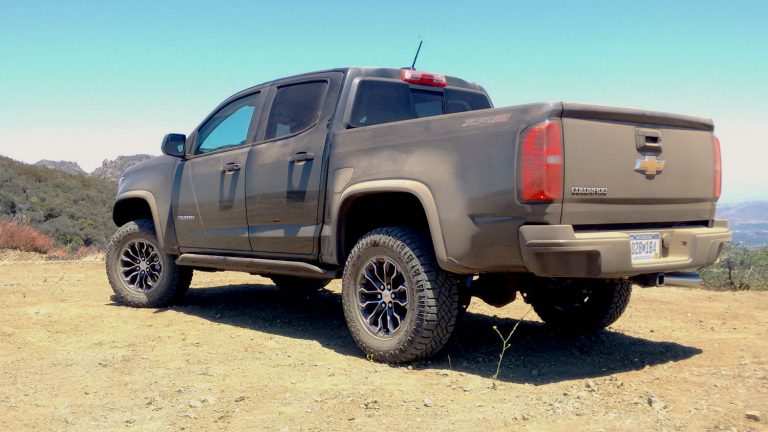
[(90, 80)]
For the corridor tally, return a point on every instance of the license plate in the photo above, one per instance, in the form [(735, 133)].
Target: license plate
[(645, 246)]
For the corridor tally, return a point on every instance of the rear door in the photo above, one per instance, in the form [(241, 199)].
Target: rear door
[(286, 170), (633, 167), (210, 205)]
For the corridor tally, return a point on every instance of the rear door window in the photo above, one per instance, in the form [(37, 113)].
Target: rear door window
[(296, 108)]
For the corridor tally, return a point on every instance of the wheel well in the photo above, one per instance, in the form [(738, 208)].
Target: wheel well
[(365, 213), (130, 209)]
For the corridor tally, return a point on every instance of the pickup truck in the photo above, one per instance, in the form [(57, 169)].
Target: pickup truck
[(420, 195)]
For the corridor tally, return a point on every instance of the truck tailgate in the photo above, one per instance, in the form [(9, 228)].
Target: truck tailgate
[(636, 167)]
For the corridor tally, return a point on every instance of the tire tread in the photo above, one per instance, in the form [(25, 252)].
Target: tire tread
[(438, 306), (612, 297), (178, 278)]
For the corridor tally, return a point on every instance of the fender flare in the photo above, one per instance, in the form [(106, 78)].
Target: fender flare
[(150, 200), (415, 188)]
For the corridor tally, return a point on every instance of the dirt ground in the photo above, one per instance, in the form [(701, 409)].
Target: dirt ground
[(238, 354)]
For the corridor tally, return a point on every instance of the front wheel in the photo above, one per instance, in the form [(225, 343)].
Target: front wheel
[(140, 274), (580, 305), (398, 304)]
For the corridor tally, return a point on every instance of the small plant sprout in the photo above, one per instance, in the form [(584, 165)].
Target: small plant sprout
[(505, 345)]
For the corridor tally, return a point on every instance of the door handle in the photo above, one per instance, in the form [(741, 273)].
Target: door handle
[(230, 167), (302, 157)]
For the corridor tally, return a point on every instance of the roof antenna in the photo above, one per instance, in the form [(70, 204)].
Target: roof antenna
[(416, 57)]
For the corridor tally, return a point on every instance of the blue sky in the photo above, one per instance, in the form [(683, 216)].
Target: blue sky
[(88, 80)]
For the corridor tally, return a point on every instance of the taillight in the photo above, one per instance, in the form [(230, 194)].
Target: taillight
[(541, 163), (423, 78), (718, 168)]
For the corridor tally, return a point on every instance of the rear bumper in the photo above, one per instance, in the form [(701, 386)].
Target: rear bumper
[(558, 251)]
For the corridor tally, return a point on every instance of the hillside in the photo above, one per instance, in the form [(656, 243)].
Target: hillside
[(748, 220), (73, 209)]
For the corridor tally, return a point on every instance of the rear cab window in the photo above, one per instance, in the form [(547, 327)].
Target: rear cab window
[(385, 101)]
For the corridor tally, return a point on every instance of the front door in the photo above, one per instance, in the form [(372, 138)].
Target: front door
[(210, 206), (285, 171)]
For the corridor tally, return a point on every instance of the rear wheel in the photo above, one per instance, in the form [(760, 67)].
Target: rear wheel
[(299, 285), (399, 305), (580, 305), (140, 274)]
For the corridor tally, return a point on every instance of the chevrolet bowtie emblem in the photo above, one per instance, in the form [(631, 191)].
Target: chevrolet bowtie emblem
[(649, 165)]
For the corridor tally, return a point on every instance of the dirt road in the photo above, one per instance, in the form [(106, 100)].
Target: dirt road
[(237, 354)]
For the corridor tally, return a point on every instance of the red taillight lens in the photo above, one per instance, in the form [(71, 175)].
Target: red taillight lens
[(718, 168), (541, 163), (423, 78)]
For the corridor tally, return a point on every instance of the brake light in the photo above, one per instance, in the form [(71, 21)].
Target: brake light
[(718, 168), (541, 163), (423, 78)]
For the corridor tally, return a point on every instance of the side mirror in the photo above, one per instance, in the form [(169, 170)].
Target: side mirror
[(173, 144)]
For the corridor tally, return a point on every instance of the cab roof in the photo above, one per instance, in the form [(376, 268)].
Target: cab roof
[(366, 72)]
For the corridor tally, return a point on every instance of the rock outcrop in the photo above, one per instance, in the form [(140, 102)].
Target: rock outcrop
[(66, 166), (113, 169)]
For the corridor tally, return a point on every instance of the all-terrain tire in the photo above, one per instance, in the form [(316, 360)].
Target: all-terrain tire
[(429, 315), (173, 280), (581, 305), (299, 285)]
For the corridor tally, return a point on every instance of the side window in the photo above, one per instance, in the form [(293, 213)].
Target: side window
[(229, 127), (296, 107)]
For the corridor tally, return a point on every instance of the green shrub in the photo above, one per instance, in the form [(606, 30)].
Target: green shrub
[(740, 268)]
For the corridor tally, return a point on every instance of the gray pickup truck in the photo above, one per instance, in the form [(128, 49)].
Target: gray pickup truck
[(419, 194)]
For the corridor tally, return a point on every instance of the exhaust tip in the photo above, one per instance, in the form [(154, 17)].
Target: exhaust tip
[(683, 279)]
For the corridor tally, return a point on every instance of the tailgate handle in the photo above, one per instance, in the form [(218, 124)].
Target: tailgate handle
[(648, 139)]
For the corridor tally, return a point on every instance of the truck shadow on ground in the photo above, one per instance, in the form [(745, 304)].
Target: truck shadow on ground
[(537, 355)]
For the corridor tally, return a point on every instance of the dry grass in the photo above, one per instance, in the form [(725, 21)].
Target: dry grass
[(14, 235)]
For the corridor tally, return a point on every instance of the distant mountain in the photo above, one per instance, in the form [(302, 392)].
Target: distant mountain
[(109, 170), (748, 221), (66, 166), (113, 169)]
